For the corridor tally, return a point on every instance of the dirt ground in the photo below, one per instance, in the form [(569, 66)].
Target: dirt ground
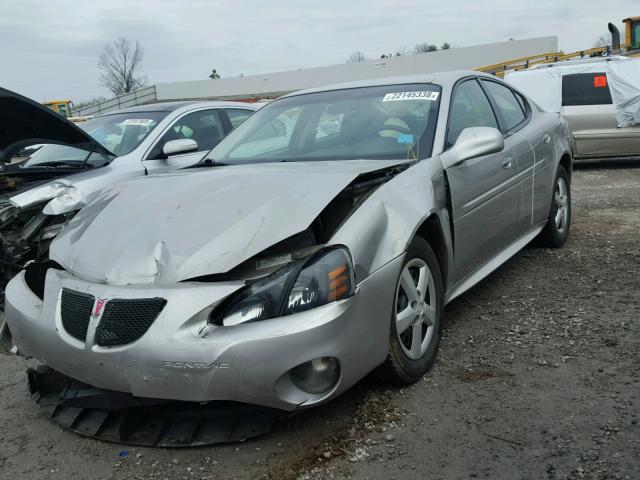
[(538, 378)]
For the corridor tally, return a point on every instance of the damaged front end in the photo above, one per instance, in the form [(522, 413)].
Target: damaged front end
[(304, 271), (219, 334), (28, 218), (122, 418), (316, 236), (25, 235)]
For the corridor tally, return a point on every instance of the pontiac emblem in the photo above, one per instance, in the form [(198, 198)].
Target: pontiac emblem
[(98, 307)]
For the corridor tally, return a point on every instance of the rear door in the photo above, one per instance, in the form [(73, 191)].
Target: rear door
[(590, 113), (514, 115), (484, 193)]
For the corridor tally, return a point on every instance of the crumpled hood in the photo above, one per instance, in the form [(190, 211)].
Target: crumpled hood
[(167, 228)]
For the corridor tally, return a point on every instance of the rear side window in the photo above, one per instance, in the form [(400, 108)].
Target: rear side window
[(509, 107), (521, 101), (585, 89)]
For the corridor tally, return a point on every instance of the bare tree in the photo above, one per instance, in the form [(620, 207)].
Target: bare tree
[(356, 57), (425, 47), (119, 64)]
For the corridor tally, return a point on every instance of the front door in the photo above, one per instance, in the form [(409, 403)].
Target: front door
[(484, 190)]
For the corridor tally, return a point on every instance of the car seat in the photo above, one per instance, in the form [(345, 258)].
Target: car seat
[(207, 136)]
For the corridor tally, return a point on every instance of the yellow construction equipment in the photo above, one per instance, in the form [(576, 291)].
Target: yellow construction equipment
[(630, 48), (499, 69), (632, 33), (63, 107)]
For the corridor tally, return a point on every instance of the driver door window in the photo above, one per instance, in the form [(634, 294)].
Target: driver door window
[(205, 127), (470, 107)]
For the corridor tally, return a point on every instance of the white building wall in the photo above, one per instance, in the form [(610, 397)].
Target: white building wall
[(271, 84)]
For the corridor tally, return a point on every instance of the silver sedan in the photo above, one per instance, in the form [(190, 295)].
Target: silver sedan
[(317, 242)]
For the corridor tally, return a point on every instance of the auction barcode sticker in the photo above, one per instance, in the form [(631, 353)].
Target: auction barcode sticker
[(420, 95), (138, 121)]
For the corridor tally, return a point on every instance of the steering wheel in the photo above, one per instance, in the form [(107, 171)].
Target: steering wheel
[(395, 128)]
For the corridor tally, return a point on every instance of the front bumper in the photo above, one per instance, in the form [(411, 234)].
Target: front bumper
[(181, 357)]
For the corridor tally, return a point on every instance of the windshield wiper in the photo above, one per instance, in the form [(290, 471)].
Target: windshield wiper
[(61, 163), (208, 163)]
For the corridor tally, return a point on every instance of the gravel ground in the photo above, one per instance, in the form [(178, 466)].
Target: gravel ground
[(537, 378)]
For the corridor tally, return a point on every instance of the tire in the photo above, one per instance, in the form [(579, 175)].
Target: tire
[(556, 231), (408, 358)]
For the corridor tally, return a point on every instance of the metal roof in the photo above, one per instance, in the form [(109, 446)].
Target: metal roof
[(581, 61), (438, 78), (172, 106)]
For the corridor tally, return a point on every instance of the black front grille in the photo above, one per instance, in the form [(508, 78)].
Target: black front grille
[(75, 310), (126, 320)]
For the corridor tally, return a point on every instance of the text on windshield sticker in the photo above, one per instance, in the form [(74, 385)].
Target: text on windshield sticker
[(138, 121), (420, 95)]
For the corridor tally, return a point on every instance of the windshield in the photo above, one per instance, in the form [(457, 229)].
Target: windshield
[(385, 122), (119, 133)]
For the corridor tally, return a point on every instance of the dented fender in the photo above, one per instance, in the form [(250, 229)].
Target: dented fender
[(391, 216)]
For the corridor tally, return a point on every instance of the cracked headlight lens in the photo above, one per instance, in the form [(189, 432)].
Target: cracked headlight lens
[(322, 278)]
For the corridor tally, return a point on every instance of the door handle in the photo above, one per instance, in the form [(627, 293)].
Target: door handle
[(546, 138), (507, 162)]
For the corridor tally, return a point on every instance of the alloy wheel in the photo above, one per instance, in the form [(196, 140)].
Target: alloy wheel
[(561, 199), (415, 308)]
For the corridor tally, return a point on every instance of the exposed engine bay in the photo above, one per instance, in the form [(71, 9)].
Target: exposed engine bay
[(25, 233), (25, 230)]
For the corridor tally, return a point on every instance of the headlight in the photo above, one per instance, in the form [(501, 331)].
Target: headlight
[(325, 277)]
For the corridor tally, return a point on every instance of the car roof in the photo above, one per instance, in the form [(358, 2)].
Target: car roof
[(444, 79), (579, 61), (173, 106)]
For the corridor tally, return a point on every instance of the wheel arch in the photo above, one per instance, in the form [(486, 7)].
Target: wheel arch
[(431, 231), (567, 163)]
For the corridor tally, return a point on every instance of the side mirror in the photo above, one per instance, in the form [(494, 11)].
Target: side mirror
[(473, 142), (176, 147)]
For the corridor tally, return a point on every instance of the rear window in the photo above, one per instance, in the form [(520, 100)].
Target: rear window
[(585, 89)]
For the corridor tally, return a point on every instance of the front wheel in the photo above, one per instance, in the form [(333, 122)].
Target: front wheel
[(416, 321), (556, 230)]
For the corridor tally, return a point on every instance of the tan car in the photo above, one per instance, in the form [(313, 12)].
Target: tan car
[(590, 113)]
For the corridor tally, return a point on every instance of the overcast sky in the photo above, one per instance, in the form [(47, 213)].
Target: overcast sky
[(49, 48)]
